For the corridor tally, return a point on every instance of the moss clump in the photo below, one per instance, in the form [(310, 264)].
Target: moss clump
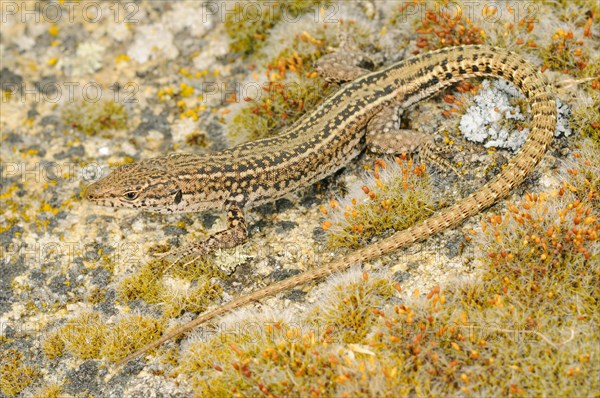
[(545, 242), (589, 7), (565, 53), (270, 359), (88, 336), (586, 116), (144, 284), (179, 297), (247, 38), (184, 287), (583, 173), (197, 138), (347, 308), (93, 118), (397, 196), (284, 105), (293, 88), (200, 268), (82, 336), (49, 391), (97, 295), (130, 334), (14, 375), (443, 26), (53, 346)]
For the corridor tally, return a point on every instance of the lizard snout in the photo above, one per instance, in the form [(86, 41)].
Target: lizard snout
[(92, 192)]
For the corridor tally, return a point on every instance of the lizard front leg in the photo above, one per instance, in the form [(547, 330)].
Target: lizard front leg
[(235, 234)]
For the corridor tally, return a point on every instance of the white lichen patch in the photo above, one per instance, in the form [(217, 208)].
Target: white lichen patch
[(88, 59), (228, 260), (182, 128), (198, 17), (214, 48), (152, 41), (495, 119)]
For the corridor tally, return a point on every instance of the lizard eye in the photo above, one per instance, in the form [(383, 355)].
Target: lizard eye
[(131, 195)]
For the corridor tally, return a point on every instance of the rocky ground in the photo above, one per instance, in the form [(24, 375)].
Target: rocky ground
[(90, 85)]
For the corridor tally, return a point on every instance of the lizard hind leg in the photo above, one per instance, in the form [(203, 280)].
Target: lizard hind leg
[(384, 136)]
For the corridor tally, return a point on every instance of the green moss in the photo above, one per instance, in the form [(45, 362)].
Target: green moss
[(586, 118), (193, 299), (269, 360), (347, 308), (293, 89), (200, 268), (53, 346), (83, 336), (130, 334), (184, 287), (441, 26), (583, 172), (577, 11), (96, 295), (5, 340), (398, 198), (14, 375), (540, 254), (144, 284), (88, 336), (567, 52), (94, 118), (49, 391), (282, 108), (248, 37), (197, 138)]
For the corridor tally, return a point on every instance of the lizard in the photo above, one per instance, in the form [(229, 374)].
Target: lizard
[(318, 144)]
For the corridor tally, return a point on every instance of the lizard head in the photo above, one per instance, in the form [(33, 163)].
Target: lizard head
[(145, 185)]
